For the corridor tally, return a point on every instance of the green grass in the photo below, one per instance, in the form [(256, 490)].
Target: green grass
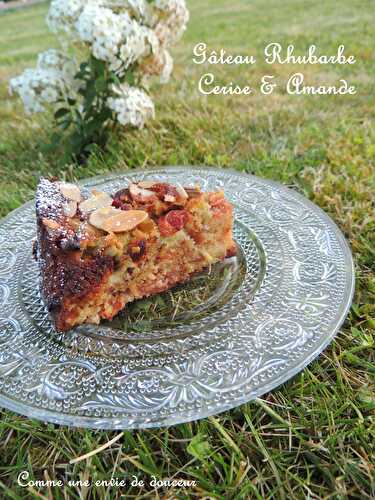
[(314, 436)]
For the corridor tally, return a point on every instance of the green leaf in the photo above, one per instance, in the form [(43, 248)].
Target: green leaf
[(76, 140), (65, 124), (89, 148), (97, 65), (199, 447), (95, 122), (61, 112), (129, 78), (89, 95), (100, 84), (114, 79), (104, 115), (91, 127), (83, 66), (84, 71), (78, 117), (56, 138)]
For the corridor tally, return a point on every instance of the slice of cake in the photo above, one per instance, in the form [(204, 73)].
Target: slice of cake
[(97, 254)]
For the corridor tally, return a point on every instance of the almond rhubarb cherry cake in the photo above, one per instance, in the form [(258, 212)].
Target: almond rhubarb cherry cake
[(97, 254)]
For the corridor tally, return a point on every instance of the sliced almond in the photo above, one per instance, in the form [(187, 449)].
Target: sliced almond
[(70, 191), (124, 220), (169, 198), (98, 200), (146, 184), (140, 193), (181, 191), (70, 208), (99, 216), (192, 192)]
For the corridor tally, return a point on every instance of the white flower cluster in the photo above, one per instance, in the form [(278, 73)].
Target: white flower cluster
[(123, 32), (129, 35), (131, 105), (169, 20), (52, 79), (115, 38), (63, 14)]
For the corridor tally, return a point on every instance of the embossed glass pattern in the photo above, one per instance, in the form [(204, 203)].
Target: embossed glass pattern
[(232, 334)]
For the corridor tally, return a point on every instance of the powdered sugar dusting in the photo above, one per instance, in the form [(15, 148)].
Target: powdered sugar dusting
[(49, 200)]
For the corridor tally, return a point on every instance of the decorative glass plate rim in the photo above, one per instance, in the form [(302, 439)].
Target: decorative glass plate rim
[(113, 423)]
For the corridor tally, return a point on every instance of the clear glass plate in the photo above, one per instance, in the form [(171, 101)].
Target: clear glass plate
[(233, 333)]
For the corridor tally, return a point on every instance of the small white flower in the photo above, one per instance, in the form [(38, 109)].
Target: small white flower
[(55, 60), (169, 19), (49, 95), (63, 14), (139, 43), (132, 106), (50, 59), (53, 78), (136, 8)]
